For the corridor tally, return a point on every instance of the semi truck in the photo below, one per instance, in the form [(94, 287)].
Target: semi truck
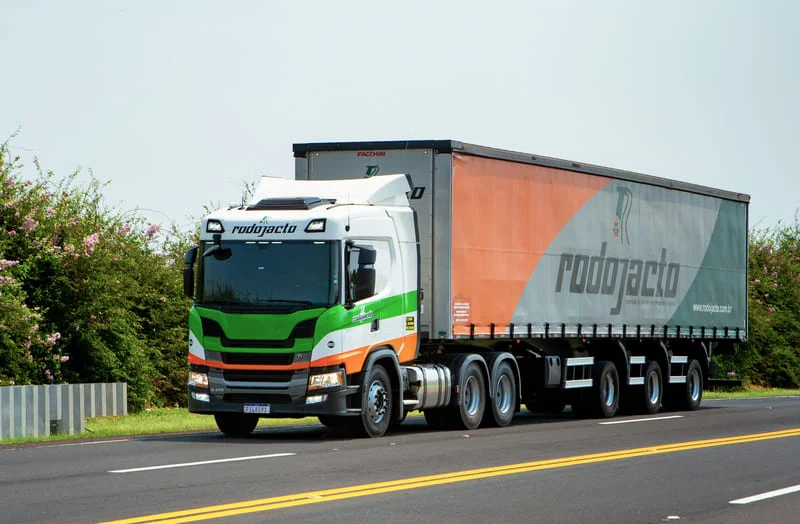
[(464, 282)]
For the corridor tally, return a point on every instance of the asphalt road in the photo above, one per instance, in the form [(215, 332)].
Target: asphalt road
[(730, 461)]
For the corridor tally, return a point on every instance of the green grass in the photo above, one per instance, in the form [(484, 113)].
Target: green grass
[(156, 421), (178, 420), (752, 392)]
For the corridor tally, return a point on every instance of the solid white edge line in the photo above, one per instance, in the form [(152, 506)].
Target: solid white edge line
[(639, 420), (767, 495), (202, 463)]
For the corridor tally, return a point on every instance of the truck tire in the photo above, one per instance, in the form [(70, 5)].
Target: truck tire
[(647, 399), (236, 425), (602, 399), (504, 404), (376, 402), (468, 413), (687, 397)]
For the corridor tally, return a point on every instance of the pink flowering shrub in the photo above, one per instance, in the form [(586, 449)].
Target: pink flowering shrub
[(88, 293), (771, 357)]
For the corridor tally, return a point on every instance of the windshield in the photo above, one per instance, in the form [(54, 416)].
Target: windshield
[(289, 275)]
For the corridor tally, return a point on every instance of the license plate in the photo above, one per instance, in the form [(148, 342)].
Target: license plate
[(261, 409)]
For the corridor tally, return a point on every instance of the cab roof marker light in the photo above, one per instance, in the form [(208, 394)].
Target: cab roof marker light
[(316, 226), (214, 226)]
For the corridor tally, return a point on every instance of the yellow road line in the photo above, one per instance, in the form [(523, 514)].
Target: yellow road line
[(328, 495)]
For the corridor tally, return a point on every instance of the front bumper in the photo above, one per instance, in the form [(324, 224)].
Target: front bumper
[(284, 400)]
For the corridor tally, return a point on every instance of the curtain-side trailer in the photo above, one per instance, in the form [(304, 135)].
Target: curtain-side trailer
[(462, 281)]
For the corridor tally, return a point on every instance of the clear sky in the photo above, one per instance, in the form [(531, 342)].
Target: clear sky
[(178, 102)]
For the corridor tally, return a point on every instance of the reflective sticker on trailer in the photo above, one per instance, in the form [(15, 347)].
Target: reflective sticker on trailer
[(409, 323)]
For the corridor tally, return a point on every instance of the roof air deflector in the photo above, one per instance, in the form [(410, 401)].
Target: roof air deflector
[(299, 203)]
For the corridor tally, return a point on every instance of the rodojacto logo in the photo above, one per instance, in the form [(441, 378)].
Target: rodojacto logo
[(601, 275), (264, 228), (619, 227)]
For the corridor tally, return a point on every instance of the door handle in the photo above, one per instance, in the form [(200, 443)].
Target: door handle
[(374, 326)]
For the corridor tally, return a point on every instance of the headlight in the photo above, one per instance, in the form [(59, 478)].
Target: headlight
[(198, 380), (214, 226), (326, 380), (201, 397)]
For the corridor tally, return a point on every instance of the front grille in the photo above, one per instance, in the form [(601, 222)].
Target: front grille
[(255, 398), (236, 375), (273, 359), (303, 329)]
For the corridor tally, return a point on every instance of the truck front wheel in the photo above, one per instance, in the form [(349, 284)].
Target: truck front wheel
[(376, 402), (237, 425)]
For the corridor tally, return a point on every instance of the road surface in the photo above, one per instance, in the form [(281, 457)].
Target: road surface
[(730, 461)]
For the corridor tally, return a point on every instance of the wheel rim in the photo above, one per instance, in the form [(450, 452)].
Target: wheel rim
[(694, 385), (654, 387), (609, 390), (377, 401), (503, 394), (472, 395)]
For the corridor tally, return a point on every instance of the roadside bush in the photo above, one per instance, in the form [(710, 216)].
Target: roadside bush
[(87, 293), (771, 357)]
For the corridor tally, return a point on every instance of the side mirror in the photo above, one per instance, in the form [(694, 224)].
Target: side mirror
[(191, 256), (188, 271), (365, 282)]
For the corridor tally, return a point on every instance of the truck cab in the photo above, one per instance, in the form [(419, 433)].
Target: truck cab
[(293, 295)]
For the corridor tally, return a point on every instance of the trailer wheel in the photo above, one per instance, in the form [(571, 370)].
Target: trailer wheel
[(647, 399), (602, 399), (237, 425), (376, 402), (504, 403), (468, 413), (687, 397)]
